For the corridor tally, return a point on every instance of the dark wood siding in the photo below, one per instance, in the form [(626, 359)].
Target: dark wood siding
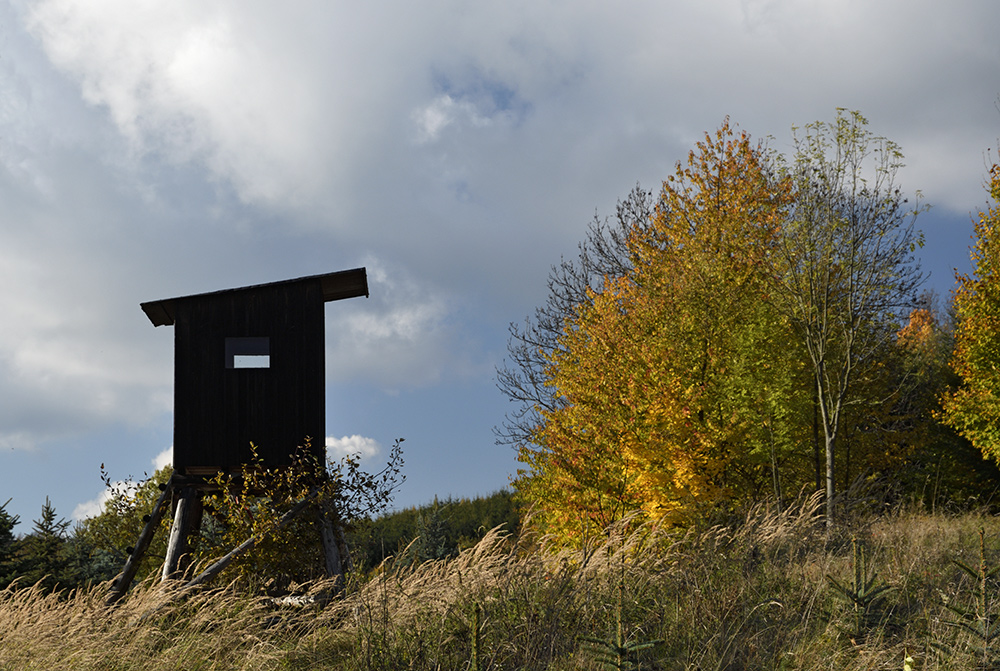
[(218, 411)]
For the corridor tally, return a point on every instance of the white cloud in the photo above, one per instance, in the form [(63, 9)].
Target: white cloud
[(95, 506), (266, 98), (433, 118), (91, 508), (17, 440), (337, 448), (402, 336), (445, 111), (163, 459)]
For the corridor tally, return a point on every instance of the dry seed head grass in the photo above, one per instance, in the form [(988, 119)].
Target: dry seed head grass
[(770, 528), (146, 630), (405, 594), (226, 629), (500, 563)]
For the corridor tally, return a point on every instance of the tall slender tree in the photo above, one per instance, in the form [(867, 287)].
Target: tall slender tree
[(846, 270)]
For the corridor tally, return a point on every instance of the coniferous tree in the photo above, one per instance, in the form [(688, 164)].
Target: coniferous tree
[(456, 524), (8, 546), (432, 534), (45, 553)]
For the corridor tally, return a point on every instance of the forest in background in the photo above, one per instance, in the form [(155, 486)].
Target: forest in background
[(54, 555)]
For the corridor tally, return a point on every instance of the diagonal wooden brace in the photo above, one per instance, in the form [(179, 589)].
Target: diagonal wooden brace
[(124, 580)]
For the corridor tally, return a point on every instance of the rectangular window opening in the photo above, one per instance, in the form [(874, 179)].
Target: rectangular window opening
[(251, 361), (248, 353)]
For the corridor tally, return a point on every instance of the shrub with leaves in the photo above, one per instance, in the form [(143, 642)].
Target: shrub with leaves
[(108, 538), (250, 503), (244, 505)]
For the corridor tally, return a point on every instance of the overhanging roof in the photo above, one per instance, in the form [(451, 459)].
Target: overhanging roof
[(336, 286)]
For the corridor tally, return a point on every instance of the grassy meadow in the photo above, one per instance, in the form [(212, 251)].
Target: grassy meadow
[(755, 593)]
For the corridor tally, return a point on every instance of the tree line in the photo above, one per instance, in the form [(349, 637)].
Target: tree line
[(58, 555), (754, 329)]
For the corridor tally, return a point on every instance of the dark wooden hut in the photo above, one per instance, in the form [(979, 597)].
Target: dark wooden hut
[(249, 365)]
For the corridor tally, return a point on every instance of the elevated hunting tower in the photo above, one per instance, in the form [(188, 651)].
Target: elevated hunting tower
[(249, 366)]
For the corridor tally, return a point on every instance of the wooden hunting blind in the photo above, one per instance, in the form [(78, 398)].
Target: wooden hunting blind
[(249, 365)]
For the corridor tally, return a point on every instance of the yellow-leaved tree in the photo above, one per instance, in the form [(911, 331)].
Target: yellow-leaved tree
[(678, 380), (734, 339), (974, 409)]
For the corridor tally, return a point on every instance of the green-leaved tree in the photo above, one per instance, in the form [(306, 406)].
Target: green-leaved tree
[(847, 273)]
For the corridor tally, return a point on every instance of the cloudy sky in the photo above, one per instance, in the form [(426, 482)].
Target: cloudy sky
[(455, 149)]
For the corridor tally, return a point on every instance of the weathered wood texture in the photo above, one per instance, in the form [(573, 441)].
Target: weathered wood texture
[(335, 552), (219, 410), (187, 520)]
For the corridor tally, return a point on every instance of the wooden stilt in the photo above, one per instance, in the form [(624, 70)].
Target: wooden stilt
[(342, 543), (177, 546), (331, 547), (124, 581)]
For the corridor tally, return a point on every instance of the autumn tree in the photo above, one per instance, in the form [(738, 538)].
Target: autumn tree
[(939, 465), (846, 270), (974, 409), (735, 337), (603, 254), (674, 383)]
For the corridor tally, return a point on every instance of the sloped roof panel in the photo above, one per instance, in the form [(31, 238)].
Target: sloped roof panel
[(335, 286)]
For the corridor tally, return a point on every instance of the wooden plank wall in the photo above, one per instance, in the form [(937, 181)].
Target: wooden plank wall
[(219, 410)]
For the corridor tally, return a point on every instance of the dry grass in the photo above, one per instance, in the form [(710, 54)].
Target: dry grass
[(750, 596)]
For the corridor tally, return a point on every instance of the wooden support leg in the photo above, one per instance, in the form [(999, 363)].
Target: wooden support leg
[(195, 516), (124, 580), (213, 570), (338, 559), (177, 546), (331, 553)]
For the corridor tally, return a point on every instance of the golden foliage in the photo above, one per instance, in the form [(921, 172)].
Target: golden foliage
[(974, 409), (676, 381)]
